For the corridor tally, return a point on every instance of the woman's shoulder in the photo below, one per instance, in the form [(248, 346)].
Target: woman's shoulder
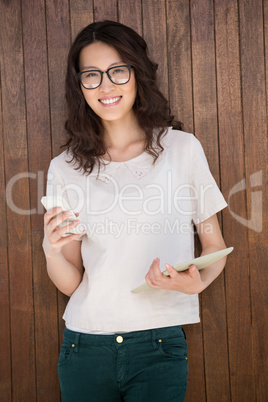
[(63, 159), (64, 163), (178, 139)]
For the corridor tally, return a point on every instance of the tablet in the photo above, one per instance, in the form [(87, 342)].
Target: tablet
[(200, 263)]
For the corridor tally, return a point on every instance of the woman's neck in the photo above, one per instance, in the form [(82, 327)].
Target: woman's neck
[(121, 134), (124, 140)]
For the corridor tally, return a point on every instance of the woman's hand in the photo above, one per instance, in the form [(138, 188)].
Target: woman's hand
[(192, 281), (188, 282), (53, 240)]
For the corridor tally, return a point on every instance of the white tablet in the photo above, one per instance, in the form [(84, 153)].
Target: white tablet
[(200, 263)]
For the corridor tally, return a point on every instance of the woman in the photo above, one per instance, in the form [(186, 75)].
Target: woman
[(138, 186)]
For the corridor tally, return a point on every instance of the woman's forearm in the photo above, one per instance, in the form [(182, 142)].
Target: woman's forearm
[(65, 276), (210, 273)]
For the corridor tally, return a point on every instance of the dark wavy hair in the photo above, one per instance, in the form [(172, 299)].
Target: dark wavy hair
[(84, 126)]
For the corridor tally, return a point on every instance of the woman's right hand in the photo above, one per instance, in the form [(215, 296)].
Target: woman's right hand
[(53, 240)]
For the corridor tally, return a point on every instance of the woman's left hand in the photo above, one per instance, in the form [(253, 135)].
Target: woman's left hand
[(188, 282)]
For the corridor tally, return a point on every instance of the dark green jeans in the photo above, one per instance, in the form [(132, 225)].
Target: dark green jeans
[(141, 366)]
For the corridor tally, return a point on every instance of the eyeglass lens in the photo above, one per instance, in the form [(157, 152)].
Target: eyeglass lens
[(118, 75)]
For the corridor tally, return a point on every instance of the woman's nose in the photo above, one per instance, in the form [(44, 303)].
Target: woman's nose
[(106, 84)]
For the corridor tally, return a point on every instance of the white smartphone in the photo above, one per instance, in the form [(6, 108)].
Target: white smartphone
[(53, 202)]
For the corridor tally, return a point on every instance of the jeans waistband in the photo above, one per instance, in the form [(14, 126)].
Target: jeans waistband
[(124, 338)]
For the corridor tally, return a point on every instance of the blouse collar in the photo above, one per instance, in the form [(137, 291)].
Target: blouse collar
[(139, 166)]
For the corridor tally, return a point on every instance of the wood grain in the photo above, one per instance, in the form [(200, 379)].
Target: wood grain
[(18, 223), (104, 10), (46, 326), (180, 62), (81, 14), (232, 168), (259, 341), (39, 144), (206, 129), (255, 132), (196, 382), (181, 101), (58, 43), (5, 361), (154, 32), (130, 13)]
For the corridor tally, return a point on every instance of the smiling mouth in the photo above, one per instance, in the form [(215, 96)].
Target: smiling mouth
[(111, 101)]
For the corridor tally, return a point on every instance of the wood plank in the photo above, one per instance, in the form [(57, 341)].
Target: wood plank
[(204, 80), (5, 361), (19, 230), (46, 326), (58, 44), (232, 155), (196, 382), (105, 10), (255, 129), (37, 102), (180, 62), (38, 130), (213, 303), (154, 32), (181, 102), (259, 342), (81, 12), (130, 14)]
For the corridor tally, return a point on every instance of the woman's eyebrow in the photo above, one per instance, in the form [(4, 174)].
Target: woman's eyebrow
[(96, 68)]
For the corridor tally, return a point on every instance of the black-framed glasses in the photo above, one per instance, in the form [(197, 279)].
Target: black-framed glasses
[(92, 79)]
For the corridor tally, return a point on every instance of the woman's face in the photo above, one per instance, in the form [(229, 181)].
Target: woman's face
[(109, 101)]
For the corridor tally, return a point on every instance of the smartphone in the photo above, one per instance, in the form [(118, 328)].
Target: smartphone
[(53, 202)]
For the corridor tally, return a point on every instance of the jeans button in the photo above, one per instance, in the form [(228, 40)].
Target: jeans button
[(119, 339)]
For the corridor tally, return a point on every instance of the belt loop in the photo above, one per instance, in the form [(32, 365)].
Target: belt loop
[(153, 335), (76, 341)]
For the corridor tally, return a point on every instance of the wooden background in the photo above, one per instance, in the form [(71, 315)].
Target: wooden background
[(213, 58)]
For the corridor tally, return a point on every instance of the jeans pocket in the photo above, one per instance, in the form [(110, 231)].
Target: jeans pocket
[(174, 347), (66, 353)]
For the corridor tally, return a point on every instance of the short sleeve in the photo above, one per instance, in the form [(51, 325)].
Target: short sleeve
[(56, 186), (206, 196), (55, 183)]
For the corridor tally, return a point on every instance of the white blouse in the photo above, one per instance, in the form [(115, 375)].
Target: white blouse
[(134, 212)]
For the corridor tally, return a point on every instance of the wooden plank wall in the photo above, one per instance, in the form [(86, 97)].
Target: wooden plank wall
[(213, 58)]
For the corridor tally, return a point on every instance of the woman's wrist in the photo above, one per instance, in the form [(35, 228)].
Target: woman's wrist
[(52, 255)]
